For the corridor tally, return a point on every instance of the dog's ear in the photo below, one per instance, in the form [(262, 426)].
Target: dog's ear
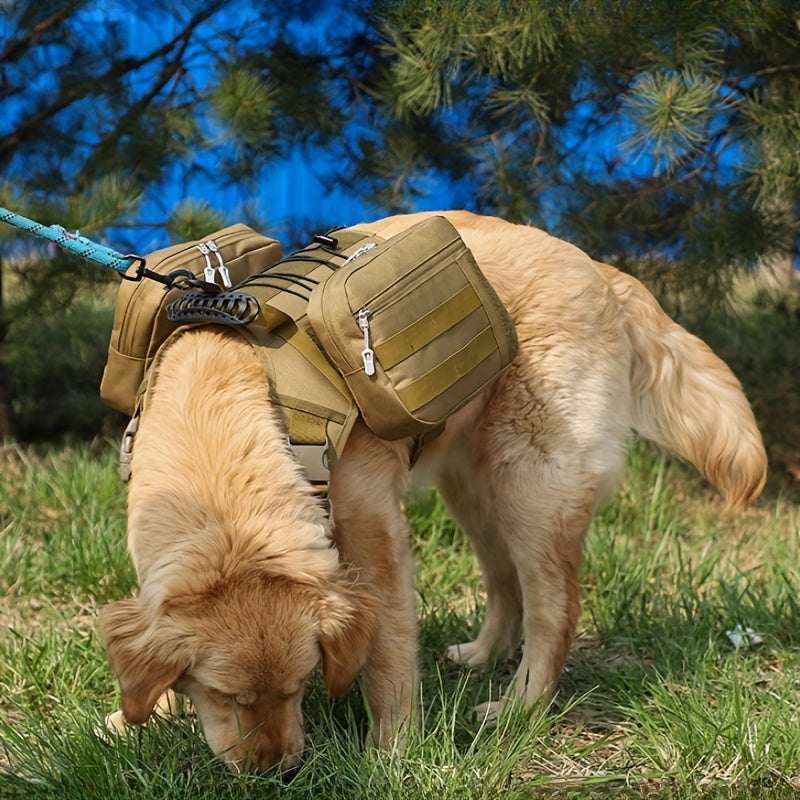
[(348, 621), (145, 664)]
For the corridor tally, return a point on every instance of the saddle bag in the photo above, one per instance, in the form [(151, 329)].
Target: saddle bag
[(140, 325), (414, 328)]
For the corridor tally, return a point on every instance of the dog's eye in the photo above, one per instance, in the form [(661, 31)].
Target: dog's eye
[(245, 698)]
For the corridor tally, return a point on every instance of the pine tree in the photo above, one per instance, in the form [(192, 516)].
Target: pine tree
[(659, 130), (104, 106)]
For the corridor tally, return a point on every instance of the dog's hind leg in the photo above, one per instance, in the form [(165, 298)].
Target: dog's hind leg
[(472, 511), (545, 542), (544, 504), (540, 469), (528, 542)]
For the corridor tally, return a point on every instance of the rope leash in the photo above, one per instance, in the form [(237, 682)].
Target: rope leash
[(75, 243), (100, 254)]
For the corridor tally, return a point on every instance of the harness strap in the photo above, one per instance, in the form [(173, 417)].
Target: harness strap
[(311, 396), (298, 339)]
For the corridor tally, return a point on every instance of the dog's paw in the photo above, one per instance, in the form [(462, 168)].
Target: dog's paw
[(113, 726), (488, 713), (469, 654), (116, 723)]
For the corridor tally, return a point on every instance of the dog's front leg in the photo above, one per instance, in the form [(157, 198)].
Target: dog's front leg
[(371, 533), (390, 675), (382, 556)]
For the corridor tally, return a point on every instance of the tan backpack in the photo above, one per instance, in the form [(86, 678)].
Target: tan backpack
[(140, 323), (414, 327), (410, 324)]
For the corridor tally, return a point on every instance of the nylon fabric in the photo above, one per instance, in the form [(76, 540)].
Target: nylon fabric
[(140, 323), (416, 304), (423, 331), (418, 393), (433, 332)]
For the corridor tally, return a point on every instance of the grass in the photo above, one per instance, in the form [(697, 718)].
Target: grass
[(655, 700)]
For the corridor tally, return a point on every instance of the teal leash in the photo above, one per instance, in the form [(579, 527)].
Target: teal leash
[(80, 245), (91, 251)]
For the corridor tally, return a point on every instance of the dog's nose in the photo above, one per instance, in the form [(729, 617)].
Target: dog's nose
[(267, 759), (289, 764), (288, 773)]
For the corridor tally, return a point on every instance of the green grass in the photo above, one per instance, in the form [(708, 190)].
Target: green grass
[(655, 701)]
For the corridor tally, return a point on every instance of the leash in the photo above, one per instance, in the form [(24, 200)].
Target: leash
[(100, 254), (74, 242)]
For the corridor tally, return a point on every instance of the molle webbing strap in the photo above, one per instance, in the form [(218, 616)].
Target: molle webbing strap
[(301, 370), (316, 410), (285, 287), (423, 331), (444, 375)]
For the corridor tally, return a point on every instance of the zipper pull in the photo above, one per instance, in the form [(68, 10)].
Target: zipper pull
[(223, 270), (209, 271), (367, 354), (365, 248)]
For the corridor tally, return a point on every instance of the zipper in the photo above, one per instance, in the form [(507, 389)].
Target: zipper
[(210, 271), (128, 324), (367, 354), (389, 296), (365, 248), (223, 270)]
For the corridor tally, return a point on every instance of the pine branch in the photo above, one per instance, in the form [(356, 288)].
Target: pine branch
[(169, 70), (32, 125), (16, 47)]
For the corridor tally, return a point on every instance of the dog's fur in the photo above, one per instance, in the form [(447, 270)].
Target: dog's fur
[(244, 583)]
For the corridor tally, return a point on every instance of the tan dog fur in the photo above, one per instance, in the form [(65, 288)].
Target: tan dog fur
[(244, 585)]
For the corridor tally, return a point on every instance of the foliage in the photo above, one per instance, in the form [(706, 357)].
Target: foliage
[(649, 132), (630, 127), (53, 364)]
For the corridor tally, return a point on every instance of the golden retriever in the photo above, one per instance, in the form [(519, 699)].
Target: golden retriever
[(246, 584)]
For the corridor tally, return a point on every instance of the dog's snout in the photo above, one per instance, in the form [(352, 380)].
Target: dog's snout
[(266, 756), (288, 773)]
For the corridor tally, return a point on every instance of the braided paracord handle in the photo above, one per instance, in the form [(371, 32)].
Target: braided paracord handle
[(85, 248)]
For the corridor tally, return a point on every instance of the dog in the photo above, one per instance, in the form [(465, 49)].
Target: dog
[(247, 585)]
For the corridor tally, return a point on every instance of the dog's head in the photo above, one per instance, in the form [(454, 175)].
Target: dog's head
[(243, 653)]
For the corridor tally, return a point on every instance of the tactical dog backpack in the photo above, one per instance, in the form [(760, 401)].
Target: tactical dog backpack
[(401, 331), (141, 325), (414, 328), (411, 325)]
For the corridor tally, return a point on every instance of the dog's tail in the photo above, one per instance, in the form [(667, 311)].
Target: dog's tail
[(687, 400)]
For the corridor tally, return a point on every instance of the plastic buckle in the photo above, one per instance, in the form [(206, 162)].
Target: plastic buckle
[(313, 458), (326, 241), (126, 449)]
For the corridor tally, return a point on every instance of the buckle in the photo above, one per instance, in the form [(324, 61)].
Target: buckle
[(126, 449), (313, 458)]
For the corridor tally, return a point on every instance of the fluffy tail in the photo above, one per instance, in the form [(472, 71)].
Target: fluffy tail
[(687, 400)]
